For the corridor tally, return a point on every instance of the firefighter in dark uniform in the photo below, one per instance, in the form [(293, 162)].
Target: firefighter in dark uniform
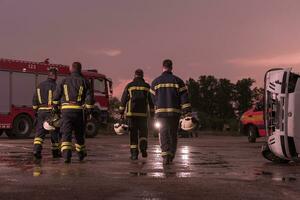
[(136, 99), (73, 94), (170, 97), (42, 105)]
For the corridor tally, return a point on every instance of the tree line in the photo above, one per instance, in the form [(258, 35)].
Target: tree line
[(217, 102), (220, 102)]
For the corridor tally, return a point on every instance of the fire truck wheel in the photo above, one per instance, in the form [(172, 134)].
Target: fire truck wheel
[(22, 127), (252, 134), (91, 129)]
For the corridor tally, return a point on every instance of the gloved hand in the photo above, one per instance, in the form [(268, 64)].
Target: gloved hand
[(188, 114), (55, 109)]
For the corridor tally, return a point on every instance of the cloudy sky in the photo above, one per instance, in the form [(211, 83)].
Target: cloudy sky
[(226, 38)]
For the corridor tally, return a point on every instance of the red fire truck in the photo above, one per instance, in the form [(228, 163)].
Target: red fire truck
[(18, 80)]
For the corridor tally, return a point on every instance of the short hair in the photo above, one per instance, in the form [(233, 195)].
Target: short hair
[(76, 66), (52, 71), (168, 64), (139, 72)]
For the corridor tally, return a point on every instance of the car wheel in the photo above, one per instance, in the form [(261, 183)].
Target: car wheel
[(252, 134), (22, 127), (91, 129)]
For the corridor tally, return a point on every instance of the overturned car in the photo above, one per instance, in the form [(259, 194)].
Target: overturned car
[(282, 115)]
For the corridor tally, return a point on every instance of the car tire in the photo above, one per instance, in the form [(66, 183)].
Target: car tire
[(252, 134), (22, 127), (269, 155), (91, 129)]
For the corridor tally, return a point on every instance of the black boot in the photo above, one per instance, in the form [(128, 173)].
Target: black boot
[(81, 155), (37, 155), (166, 160), (134, 154), (67, 155), (144, 154), (56, 153)]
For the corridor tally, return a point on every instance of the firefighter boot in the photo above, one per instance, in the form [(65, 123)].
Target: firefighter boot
[(37, 152), (67, 155), (81, 155), (37, 155), (166, 160), (143, 147), (144, 154), (134, 154), (56, 153)]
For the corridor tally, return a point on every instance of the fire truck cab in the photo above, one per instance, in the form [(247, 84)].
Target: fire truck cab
[(19, 79), (252, 123)]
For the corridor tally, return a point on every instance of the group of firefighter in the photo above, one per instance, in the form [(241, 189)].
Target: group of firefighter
[(166, 100)]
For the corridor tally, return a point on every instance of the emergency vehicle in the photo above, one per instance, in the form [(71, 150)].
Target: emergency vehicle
[(252, 123), (19, 79), (282, 115)]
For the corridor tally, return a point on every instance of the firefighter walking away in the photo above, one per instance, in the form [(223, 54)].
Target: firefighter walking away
[(170, 97), (42, 105), (135, 103), (72, 95)]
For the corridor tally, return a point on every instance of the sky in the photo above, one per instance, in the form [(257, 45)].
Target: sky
[(231, 39)]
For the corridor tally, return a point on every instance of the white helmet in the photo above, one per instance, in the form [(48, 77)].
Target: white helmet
[(52, 123), (48, 127), (120, 129), (188, 123)]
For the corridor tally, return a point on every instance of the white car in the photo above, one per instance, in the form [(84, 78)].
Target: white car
[(282, 115)]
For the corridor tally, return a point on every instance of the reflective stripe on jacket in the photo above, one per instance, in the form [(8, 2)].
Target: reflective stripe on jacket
[(43, 95), (136, 99), (170, 96), (74, 92)]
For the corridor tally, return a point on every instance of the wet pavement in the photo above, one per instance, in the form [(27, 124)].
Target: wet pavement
[(208, 167)]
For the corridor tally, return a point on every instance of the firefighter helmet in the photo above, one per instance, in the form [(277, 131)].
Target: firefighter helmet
[(120, 128), (188, 123), (52, 123)]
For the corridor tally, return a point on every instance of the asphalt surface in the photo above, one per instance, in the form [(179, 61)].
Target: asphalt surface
[(208, 167)]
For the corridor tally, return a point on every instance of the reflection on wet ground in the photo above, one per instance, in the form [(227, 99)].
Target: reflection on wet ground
[(108, 158)]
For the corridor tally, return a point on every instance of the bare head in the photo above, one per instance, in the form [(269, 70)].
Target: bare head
[(52, 73), (167, 65), (139, 73), (76, 67)]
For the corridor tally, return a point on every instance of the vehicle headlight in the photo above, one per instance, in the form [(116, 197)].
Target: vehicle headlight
[(157, 125)]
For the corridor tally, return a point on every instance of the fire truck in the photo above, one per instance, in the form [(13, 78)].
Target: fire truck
[(19, 79), (252, 123)]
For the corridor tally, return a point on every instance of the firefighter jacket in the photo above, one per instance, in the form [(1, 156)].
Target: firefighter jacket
[(74, 92), (170, 96), (43, 95), (136, 99)]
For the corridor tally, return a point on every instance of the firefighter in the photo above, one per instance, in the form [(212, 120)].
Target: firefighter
[(136, 99), (170, 97), (42, 105), (73, 94)]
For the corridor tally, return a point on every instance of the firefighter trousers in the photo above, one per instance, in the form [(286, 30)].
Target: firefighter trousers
[(138, 130), (168, 135), (40, 133), (72, 122)]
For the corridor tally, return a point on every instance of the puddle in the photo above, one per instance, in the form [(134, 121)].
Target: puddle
[(277, 177), (164, 174)]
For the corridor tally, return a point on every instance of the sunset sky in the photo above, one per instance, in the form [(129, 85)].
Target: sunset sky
[(226, 38)]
